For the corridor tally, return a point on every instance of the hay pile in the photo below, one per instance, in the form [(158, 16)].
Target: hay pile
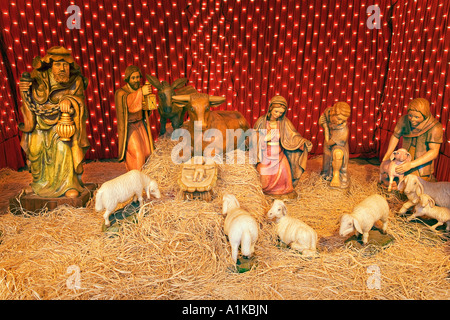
[(177, 250)]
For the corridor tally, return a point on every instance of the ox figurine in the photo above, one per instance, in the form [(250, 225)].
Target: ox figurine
[(166, 107), (198, 107)]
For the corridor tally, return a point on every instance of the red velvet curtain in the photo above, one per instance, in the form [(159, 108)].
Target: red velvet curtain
[(314, 53)]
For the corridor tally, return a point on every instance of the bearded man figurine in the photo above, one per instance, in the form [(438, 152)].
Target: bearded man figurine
[(54, 91), (134, 142)]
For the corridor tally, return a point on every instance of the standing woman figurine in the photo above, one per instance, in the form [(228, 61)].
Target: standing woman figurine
[(422, 137), (282, 152)]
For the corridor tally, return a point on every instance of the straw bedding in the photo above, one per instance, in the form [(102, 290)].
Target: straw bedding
[(177, 249)]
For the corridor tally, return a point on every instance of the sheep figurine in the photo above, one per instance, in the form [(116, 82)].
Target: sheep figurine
[(240, 227), (364, 216), (413, 186), (121, 189), (388, 167), (295, 233), (426, 206)]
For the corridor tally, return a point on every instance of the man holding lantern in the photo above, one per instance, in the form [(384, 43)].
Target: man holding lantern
[(135, 145), (55, 150)]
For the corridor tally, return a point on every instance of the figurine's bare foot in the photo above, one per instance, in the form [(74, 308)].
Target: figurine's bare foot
[(71, 193), (335, 182)]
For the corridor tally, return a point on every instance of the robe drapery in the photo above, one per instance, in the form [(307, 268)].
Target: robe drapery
[(134, 143), (339, 135), (274, 167), (55, 165), (292, 146), (417, 141)]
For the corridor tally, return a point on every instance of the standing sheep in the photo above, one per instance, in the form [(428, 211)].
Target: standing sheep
[(121, 189), (426, 206), (295, 233), (364, 216), (240, 227)]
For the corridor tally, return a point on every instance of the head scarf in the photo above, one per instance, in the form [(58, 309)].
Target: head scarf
[(420, 105), (54, 54), (278, 100), (423, 106)]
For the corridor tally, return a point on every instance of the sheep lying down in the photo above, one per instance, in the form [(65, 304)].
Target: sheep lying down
[(427, 206), (295, 233), (123, 188), (413, 187)]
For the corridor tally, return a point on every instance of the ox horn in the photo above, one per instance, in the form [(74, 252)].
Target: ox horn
[(181, 98), (216, 100)]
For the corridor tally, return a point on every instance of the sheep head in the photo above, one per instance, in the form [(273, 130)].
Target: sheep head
[(401, 155), (410, 184), (277, 211), (348, 225), (426, 200), (152, 189), (229, 203)]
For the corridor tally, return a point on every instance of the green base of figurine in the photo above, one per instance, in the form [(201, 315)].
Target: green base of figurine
[(284, 246), (34, 204), (245, 264), (126, 213), (376, 238)]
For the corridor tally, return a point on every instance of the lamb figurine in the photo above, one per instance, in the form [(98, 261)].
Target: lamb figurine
[(426, 206), (413, 186), (240, 227), (295, 233), (121, 189), (388, 167), (364, 216)]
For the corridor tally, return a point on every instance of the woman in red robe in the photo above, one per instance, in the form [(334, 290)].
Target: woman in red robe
[(282, 150)]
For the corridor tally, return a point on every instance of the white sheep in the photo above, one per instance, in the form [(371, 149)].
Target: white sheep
[(295, 233), (427, 206), (397, 158), (240, 227), (364, 216), (413, 186), (122, 188)]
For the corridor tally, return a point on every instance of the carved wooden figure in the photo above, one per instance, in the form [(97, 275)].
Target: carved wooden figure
[(135, 141), (167, 108), (54, 128), (282, 151), (335, 146), (198, 106), (422, 137), (198, 177)]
